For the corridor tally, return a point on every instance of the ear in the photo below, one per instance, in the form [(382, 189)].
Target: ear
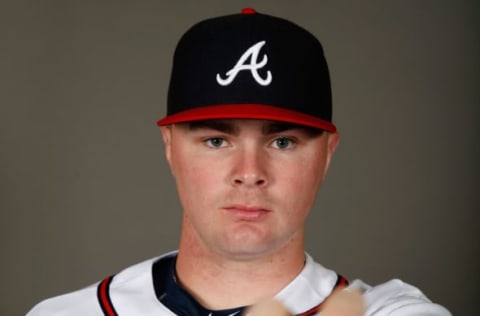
[(167, 141), (332, 143)]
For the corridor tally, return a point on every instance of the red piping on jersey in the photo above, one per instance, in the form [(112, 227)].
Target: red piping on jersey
[(103, 294)]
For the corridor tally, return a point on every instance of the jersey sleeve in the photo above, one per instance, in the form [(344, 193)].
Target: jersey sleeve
[(397, 298), (79, 303)]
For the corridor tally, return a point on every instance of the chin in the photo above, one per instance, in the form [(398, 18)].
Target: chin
[(250, 249)]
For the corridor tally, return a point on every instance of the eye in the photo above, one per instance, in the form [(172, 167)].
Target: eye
[(215, 142), (283, 143)]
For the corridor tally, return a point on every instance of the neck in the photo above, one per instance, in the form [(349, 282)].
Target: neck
[(220, 282)]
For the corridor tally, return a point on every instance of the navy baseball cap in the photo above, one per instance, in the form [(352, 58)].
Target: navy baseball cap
[(249, 66)]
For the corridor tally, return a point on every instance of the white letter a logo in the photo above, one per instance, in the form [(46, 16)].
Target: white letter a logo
[(241, 64)]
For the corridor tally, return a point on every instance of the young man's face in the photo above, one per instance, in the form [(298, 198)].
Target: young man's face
[(246, 186)]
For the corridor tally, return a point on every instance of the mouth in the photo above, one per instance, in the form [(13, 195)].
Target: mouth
[(247, 213)]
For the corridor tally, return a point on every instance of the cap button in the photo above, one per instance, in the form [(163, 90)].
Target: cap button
[(248, 11)]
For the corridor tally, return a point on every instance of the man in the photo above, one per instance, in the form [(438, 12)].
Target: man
[(249, 138)]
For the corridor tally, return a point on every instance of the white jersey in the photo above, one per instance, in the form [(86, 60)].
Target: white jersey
[(135, 292)]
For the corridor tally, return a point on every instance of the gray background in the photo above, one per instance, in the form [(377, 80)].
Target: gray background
[(85, 191)]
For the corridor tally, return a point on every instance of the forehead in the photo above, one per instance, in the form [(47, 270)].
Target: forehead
[(233, 126)]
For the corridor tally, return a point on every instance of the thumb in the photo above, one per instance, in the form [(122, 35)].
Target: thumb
[(267, 307), (344, 303)]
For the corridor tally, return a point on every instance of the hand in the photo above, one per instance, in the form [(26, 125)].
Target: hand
[(340, 303), (268, 307), (344, 303)]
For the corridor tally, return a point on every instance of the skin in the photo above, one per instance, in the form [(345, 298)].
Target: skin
[(341, 303), (246, 187)]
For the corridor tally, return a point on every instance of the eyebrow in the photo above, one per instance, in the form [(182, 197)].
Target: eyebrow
[(217, 125), (279, 127), (230, 127)]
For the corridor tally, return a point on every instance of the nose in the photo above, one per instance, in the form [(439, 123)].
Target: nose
[(250, 169)]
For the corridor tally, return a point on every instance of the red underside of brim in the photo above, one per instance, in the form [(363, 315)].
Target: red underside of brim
[(247, 111)]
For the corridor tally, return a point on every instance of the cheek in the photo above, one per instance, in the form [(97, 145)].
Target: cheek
[(309, 171), (304, 182), (195, 178)]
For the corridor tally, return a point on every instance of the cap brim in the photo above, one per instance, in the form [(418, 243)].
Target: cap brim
[(247, 111)]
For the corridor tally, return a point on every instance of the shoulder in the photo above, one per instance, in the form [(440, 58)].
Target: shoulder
[(80, 302), (396, 298), (133, 282)]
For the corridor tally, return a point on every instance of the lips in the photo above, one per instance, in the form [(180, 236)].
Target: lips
[(247, 213)]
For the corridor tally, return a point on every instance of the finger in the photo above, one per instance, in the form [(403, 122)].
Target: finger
[(344, 303), (267, 307)]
